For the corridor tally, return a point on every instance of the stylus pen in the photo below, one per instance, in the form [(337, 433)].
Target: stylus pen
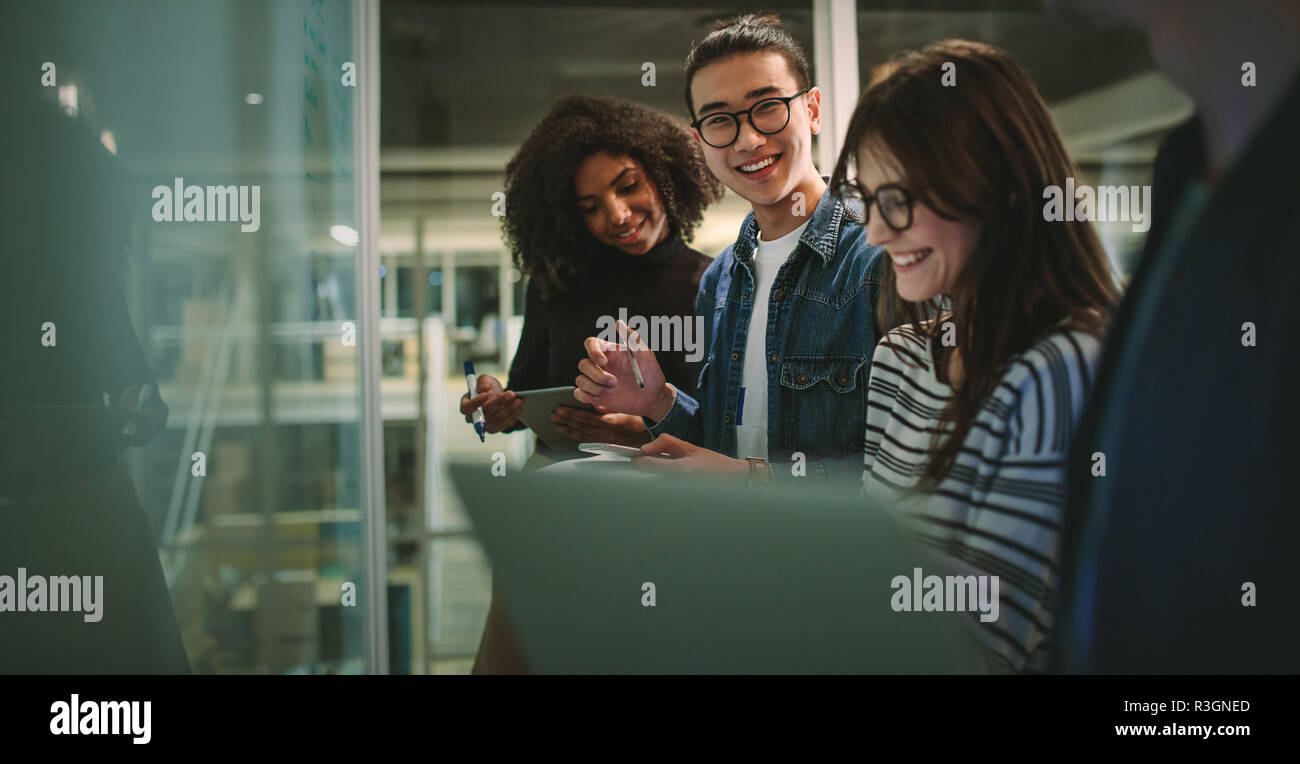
[(635, 369), (479, 425)]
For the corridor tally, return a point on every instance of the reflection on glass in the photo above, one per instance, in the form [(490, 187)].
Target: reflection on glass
[(241, 295)]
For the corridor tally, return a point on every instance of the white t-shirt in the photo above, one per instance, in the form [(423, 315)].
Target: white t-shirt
[(751, 417)]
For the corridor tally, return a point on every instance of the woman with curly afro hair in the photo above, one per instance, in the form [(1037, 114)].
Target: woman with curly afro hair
[(600, 200)]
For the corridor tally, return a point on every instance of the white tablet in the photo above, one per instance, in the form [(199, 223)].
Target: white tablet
[(536, 414), (610, 449)]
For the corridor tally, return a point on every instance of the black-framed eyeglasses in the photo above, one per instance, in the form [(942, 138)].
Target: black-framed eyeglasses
[(720, 129), (894, 202)]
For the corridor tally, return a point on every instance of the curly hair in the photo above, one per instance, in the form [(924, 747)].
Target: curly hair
[(543, 226)]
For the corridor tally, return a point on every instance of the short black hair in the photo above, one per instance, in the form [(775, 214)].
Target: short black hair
[(543, 226), (750, 33)]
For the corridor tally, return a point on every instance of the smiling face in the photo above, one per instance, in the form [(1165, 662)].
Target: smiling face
[(763, 169), (928, 257), (619, 204)]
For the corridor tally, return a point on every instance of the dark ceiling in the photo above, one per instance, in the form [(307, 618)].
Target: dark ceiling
[(481, 75)]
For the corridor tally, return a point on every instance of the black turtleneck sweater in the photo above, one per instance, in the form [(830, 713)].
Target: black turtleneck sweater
[(662, 282)]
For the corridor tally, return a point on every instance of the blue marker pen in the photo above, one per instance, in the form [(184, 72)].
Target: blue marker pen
[(740, 408), (479, 425)]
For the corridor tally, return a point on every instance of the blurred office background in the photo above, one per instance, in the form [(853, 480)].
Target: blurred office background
[(308, 485)]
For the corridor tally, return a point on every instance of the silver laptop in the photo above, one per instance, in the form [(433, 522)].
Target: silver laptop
[(602, 574)]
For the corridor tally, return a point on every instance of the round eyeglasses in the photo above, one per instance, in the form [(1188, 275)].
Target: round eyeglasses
[(894, 202), (720, 129)]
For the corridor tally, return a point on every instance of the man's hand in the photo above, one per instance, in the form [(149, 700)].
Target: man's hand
[(686, 458), (500, 407), (606, 379), (586, 427), (149, 420)]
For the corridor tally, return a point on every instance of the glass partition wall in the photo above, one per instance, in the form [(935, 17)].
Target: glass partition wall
[(232, 125)]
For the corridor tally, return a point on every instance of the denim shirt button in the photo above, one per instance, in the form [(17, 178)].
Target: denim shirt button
[(772, 358), (778, 294), (844, 380), (726, 418), (745, 296), (735, 356), (803, 379)]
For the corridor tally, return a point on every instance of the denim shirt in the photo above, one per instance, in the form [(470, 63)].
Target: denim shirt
[(820, 337)]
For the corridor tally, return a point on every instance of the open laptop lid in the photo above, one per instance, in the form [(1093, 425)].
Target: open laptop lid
[(744, 581)]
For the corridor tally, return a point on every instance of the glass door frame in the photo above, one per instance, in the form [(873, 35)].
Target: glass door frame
[(369, 305)]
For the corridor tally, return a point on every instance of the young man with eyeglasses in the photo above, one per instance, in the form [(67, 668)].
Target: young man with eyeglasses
[(789, 307)]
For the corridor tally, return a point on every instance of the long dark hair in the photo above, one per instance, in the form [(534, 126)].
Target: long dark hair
[(983, 150), (542, 225)]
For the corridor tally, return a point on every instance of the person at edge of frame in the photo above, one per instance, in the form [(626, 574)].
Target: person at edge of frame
[(1178, 548)]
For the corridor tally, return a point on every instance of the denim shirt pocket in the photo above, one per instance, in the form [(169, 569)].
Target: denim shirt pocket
[(823, 404)]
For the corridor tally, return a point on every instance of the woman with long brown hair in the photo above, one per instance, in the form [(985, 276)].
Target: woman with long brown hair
[(999, 313)]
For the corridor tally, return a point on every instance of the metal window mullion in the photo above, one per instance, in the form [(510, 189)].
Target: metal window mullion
[(365, 114), (835, 57)]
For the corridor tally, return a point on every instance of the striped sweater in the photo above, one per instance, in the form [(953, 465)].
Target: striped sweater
[(999, 509)]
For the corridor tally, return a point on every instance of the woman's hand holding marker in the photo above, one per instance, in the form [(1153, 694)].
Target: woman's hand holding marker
[(500, 407)]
